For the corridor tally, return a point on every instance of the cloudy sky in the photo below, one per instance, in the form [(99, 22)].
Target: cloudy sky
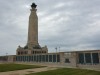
[(68, 24)]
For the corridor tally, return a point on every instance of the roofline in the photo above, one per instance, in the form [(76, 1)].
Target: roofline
[(80, 51)]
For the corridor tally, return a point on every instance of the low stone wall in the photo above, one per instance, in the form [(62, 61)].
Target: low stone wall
[(10, 58), (47, 64)]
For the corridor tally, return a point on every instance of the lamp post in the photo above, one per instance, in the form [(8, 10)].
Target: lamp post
[(56, 49)]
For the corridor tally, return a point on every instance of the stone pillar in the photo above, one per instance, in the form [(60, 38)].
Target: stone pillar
[(91, 58), (33, 29), (99, 56), (77, 60), (62, 59), (52, 58), (45, 57), (29, 51), (33, 57), (84, 59), (56, 58), (48, 57)]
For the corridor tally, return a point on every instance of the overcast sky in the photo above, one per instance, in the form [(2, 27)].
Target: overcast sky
[(68, 24)]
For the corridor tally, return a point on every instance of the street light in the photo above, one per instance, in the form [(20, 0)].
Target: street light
[(56, 49)]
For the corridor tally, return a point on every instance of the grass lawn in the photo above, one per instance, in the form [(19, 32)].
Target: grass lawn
[(12, 67), (68, 71)]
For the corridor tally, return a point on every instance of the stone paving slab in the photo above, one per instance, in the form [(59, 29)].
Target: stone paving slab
[(27, 71)]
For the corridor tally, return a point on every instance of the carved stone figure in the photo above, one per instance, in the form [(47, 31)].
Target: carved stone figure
[(33, 5)]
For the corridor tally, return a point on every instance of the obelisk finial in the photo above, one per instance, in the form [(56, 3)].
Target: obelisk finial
[(33, 5)]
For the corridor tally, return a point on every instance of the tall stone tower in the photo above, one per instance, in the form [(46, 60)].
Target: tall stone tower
[(32, 46), (33, 28)]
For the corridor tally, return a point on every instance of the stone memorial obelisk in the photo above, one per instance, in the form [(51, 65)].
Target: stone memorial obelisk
[(33, 28), (32, 46)]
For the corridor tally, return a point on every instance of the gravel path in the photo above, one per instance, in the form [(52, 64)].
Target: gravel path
[(27, 71)]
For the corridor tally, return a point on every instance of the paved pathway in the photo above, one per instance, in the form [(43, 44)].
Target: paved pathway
[(27, 71)]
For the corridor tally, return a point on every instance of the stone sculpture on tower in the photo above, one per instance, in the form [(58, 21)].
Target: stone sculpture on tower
[(32, 46)]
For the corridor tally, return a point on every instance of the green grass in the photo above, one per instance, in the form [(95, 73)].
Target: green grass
[(68, 71), (13, 67)]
